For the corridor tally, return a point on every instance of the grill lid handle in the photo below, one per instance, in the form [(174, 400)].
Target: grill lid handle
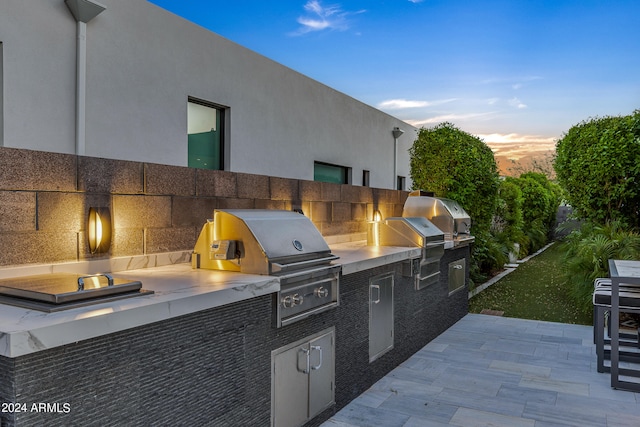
[(302, 264), (94, 276)]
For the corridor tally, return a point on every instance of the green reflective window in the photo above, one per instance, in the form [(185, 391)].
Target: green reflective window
[(330, 173), (205, 136)]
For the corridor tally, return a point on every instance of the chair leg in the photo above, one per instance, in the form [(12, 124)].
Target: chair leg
[(595, 317), (599, 313)]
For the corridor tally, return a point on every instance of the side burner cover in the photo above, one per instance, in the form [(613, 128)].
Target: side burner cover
[(61, 291)]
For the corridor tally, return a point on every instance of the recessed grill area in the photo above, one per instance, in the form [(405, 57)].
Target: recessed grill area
[(62, 291), (431, 223)]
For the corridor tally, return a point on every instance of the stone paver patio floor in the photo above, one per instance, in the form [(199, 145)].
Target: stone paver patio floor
[(497, 371)]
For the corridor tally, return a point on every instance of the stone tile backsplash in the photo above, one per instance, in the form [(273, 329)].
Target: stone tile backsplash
[(45, 199)]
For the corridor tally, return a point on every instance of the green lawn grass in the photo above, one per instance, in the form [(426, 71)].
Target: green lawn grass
[(533, 291)]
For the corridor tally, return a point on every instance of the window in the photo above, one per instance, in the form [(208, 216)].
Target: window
[(205, 128), (365, 178), (326, 172), (400, 183)]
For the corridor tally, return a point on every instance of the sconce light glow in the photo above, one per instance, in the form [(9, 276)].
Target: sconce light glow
[(99, 230), (373, 233)]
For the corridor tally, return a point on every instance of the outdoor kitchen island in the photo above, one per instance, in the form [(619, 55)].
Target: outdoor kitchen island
[(200, 350)]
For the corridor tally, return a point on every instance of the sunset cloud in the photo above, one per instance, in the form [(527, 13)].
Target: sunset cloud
[(398, 104), (517, 146), (448, 118), (515, 138)]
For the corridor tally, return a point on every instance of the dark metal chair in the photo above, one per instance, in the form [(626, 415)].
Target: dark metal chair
[(629, 303)]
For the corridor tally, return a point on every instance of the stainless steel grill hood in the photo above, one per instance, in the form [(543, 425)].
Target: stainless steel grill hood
[(446, 214), (406, 231), (285, 244), (413, 231), (260, 241)]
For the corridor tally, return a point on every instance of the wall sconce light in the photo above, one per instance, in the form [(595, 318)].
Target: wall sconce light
[(99, 230), (373, 232), (84, 10)]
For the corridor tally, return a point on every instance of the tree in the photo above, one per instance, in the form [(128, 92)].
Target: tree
[(454, 164), (508, 220), (540, 202), (598, 165), (552, 195)]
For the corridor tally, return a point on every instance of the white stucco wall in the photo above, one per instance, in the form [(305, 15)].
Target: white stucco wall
[(142, 65)]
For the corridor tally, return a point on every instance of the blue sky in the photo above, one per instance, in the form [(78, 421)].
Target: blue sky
[(514, 72)]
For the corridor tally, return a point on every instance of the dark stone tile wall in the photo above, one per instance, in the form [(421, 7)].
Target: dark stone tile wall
[(207, 369), (45, 199), (213, 368)]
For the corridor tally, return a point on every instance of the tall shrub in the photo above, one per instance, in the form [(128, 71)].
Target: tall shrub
[(540, 203), (508, 220), (598, 165), (457, 165)]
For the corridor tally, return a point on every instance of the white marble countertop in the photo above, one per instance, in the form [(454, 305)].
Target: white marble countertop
[(357, 256), (178, 290)]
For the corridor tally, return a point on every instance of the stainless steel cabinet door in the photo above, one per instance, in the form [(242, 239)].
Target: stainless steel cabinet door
[(457, 275), (321, 374), (303, 376), (380, 315), (291, 387)]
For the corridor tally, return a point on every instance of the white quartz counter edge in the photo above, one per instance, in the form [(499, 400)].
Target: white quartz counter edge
[(178, 290), (357, 256)]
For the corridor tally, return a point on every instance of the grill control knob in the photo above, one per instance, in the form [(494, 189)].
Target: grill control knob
[(297, 299), (321, 292), (287, 302)]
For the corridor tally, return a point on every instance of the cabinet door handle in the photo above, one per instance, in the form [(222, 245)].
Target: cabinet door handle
[(377, 299), (319, 365), (306, 369)]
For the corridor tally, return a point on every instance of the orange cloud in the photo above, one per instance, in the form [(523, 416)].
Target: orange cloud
[(516, 146)]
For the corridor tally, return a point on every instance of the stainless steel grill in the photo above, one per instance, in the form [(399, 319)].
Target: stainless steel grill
[(273, 242), (413, 231), (446, 214)]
